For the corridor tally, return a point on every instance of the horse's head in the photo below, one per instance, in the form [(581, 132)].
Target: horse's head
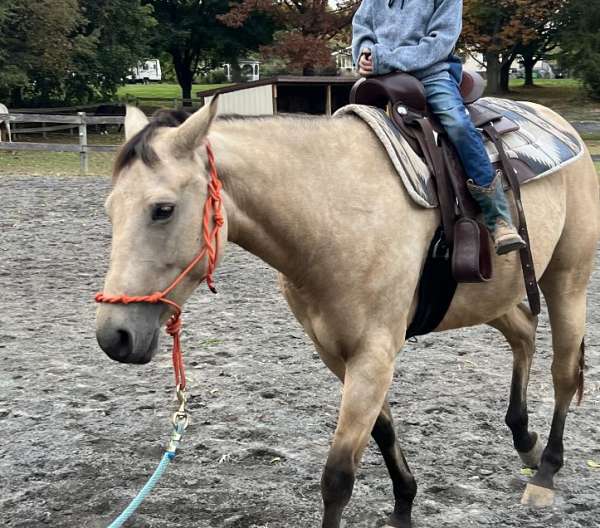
[(156, 209)]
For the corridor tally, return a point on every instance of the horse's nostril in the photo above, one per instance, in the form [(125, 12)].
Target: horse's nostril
[(124, 343), (117, 344)]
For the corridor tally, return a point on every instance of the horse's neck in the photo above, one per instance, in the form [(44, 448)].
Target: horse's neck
[(299, 189)]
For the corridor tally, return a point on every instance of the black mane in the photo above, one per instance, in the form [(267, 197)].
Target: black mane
[(138, 147)]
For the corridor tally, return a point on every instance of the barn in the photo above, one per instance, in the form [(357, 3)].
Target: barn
[(284, 95)]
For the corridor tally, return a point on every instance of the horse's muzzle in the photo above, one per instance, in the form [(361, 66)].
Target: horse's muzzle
[(129, 334)]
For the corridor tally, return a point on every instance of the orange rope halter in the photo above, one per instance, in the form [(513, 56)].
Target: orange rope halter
[(212, 211)]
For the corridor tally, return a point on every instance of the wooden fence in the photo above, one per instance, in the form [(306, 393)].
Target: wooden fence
[(79, 121), (174, 102)]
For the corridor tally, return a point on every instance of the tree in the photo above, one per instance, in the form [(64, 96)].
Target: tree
[(501, 29), (108, 50), (547, 21), (58, 51), (192, 33), (38, 47), (580, 42), (307, 27)]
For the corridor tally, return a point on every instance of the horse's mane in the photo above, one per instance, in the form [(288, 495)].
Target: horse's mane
[(138, 147)]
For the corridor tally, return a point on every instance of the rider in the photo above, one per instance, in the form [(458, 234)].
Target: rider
[(419, 37)]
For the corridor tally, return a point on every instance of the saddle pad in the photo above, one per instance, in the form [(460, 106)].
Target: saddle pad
[(542, 145), (411, 169)]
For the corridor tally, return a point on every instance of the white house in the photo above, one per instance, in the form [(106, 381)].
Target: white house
[(250, 70)]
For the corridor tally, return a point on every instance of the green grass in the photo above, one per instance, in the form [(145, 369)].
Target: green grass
[(594, 147), (564, 96), (100, 164), (562, 83), (40, 163), (165, 90)]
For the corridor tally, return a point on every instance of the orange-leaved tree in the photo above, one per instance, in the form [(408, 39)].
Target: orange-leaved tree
[(502, 29), (306, 28)]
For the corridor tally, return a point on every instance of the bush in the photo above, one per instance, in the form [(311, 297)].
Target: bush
[(214, 77)]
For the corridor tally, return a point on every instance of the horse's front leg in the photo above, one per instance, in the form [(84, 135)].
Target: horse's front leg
[(405, 486), (369, 371)]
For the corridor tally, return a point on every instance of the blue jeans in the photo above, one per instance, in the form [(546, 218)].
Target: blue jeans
[(446, 102)]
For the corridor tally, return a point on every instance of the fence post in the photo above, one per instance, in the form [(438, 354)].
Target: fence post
[(175, 100), (83, 152)]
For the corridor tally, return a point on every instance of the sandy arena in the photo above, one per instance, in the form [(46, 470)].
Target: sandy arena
[(80, 434)]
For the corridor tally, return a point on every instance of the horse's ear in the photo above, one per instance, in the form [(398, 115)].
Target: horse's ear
[(135, 120), (193, 130)]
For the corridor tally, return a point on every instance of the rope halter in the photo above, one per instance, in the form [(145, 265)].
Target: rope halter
[(210, 246)]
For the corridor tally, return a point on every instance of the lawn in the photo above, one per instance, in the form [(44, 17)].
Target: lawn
[(36, 163), (564, 96), (163, 90), (100, 164)]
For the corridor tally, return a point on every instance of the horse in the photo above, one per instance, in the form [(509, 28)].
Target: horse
[(6, 122), (318, 200)]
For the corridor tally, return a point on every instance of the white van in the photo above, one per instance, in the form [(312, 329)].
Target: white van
[(145, 72)]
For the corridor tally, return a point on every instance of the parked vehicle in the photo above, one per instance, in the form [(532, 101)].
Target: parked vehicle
[(146, 72)]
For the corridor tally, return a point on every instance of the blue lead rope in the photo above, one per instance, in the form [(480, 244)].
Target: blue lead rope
[(180, 422), (144, 492)]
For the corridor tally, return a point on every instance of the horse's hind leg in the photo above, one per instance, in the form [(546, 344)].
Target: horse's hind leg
[(567, 309), (405, 487), (518, 327)]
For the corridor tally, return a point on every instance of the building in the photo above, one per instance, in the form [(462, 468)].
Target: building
[(344, 62), (283, 95), (250, 70)]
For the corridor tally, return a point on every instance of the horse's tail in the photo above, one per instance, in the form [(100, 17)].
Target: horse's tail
[(580, 382)]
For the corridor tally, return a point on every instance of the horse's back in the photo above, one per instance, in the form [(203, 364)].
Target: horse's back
[(563, 218)]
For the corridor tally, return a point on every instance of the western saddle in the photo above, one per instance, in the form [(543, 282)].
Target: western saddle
[(464, 242)]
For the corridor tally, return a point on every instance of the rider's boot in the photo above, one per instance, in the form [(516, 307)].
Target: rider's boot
[(496, 215)]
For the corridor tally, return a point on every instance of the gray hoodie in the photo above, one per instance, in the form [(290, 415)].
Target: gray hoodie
[(413, 36)]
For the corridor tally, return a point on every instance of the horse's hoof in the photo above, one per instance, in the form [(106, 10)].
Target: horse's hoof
[(533, 457), (398, 521), (537, 496)]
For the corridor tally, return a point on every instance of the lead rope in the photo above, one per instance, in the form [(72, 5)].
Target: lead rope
[(180, 420)]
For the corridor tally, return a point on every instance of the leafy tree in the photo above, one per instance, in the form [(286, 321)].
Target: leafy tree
[(107, 50), (37, 45), (57, 51), (546, 21), (501, 29), (193, 34), (580, 42), (307, 27)]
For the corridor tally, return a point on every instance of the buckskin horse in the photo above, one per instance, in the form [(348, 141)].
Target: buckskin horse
[(349, 246)]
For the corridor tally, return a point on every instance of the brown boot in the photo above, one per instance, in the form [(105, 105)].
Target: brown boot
[(506, 238), (496, 215)]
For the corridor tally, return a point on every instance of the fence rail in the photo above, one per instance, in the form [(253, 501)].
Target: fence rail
[(80, 121)]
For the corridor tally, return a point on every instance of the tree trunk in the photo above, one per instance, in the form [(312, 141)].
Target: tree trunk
[(185, 75), (236, 70), (528, 63), (493, 73), (505, 76)]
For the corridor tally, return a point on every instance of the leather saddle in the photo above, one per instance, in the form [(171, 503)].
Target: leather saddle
[(465, 240)]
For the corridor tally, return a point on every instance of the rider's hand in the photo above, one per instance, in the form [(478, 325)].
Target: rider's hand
[(365, 62)]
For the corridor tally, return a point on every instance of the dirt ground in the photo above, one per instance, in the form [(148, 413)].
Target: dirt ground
[(79, 434)]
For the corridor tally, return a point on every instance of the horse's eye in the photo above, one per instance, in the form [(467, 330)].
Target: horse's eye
[(162, 211)]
